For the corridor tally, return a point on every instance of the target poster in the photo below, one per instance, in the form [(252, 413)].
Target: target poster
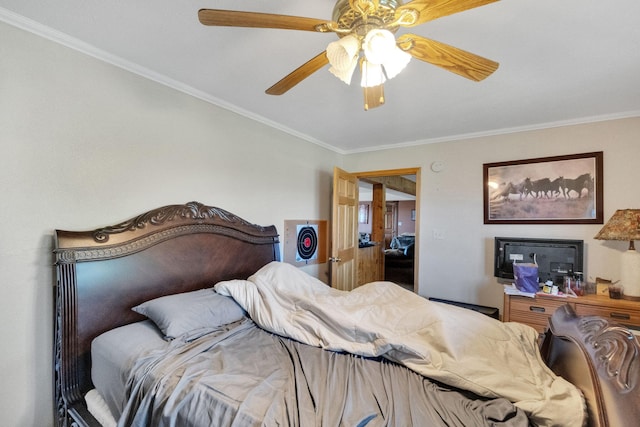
[(305, 242)]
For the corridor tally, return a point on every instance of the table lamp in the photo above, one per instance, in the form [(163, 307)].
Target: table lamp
[(625, 225)]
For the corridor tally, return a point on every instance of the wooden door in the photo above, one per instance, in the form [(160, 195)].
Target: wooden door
[(390, 223), (344, 242)]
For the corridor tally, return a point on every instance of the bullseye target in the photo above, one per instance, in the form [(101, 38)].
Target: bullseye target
[(307, 242)]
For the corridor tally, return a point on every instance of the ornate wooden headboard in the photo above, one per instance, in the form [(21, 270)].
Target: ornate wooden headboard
[(602, 359), (102, 273)]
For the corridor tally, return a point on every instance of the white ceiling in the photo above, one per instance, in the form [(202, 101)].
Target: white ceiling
[(561, 62)]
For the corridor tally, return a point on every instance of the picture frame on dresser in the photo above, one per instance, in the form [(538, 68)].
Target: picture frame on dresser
[(564, 189)]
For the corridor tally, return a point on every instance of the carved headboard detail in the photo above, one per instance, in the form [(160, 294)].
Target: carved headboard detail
[(189, 211), (102, 273), (602, 358), (615, 348)]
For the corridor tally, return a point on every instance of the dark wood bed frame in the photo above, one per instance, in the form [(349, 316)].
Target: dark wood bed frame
[(102, 273), (602, 359)]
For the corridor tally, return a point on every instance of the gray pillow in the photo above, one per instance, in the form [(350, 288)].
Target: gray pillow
[(190, 312)]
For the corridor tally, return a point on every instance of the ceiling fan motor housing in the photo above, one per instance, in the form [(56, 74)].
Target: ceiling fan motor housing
[(361, 16)]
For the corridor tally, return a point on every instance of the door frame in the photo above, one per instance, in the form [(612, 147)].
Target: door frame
[(400, 172)]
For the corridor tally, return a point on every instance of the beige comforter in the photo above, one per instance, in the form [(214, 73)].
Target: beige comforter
[(456, 346)]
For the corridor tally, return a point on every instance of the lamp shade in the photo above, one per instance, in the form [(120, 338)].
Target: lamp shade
[(397, 61), (380, 48), (382, 59), (623, 225), (377, 45), (343, 57)]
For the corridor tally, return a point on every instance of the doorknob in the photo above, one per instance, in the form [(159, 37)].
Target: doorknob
[(332, 259)]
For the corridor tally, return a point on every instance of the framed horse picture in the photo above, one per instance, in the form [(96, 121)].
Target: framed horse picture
[(547, 190)]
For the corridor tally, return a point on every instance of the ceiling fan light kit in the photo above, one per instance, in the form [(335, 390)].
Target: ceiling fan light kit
[(343, 57), (372, 74), (368, 26), (380, 48), (380, 51)]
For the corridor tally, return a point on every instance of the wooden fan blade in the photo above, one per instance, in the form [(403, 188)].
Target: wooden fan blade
[(373, 96), (232, 18), (299, 74), (428, 10), (450, 58)]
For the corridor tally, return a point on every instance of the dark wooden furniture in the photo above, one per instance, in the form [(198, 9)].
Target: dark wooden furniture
[(600, 357), (399, 261), (102, 273), (536, 311), (487, 311)]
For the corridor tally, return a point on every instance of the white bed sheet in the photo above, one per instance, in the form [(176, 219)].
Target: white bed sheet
[(99, 409)]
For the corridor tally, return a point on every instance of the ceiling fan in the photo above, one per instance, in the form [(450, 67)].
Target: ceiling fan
[(368, 27)]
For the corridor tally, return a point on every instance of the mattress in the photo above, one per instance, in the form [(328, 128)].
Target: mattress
[(112, 355)]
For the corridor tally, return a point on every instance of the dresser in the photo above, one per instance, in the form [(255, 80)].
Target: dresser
[(535, 312)]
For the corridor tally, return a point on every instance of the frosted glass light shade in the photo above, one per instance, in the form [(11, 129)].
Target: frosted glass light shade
[(396, 62), (382, 60), (377, 45), (372, 74), (380, 48), (343, 57)]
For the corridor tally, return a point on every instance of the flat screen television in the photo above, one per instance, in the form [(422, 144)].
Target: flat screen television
[(556, 258)]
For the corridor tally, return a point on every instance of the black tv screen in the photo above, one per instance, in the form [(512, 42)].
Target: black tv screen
[(556, 258)]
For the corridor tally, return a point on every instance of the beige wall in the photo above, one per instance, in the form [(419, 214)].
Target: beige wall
[(459, 267), (84, 144)]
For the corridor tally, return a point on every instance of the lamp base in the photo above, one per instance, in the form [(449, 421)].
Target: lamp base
[(630, 275)]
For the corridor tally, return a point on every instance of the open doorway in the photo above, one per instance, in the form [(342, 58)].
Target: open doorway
[(397, 219), (350, 264)]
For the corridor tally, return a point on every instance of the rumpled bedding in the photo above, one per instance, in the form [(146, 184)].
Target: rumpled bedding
[(242, 375), (458, 347)]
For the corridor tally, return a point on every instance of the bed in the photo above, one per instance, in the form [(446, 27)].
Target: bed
[(274, 346)]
